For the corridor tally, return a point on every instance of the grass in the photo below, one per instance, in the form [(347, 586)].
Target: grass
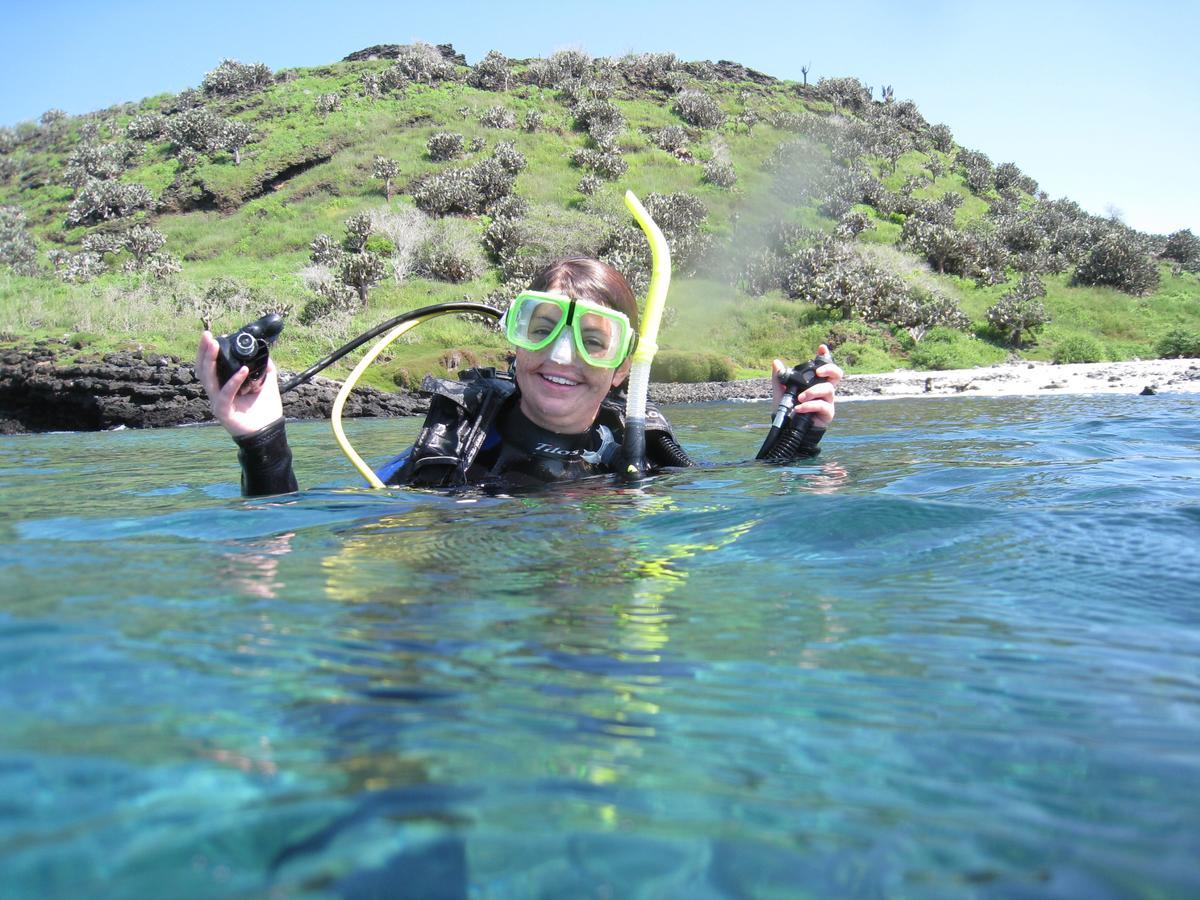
[(259, 232)]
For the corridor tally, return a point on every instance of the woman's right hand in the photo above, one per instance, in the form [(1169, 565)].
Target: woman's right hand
[(240, 413)]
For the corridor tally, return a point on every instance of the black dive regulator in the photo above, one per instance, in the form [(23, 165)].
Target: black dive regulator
[(788, 432), (249, 346)]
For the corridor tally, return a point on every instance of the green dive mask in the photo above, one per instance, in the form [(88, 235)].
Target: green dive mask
[(603, 337)]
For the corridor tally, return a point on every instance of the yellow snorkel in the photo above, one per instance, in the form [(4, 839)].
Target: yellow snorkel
[(639, 374)]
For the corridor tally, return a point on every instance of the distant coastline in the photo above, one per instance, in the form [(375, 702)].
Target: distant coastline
[(1013, 379), (39, 392)]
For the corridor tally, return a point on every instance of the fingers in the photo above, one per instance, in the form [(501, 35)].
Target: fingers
[(206, 363), (822, 411), (230, 391), (832, 372), (778, 371)]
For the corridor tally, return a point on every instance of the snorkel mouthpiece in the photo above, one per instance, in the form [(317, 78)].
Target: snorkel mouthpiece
[(634, 445)]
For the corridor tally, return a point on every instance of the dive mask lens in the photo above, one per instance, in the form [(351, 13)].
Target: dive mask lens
[(602, 336)]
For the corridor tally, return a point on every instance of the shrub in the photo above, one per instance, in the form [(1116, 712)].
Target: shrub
[(444, 145), (149, 127), (977, 169), (17, 249), (327, 103), (99, 201), (358, 231), (143, 242), (1078, 349), (589, 184), (424, 63), (469, 191), (77, 267), (95, 161), (698, 109), (195, 129), (687, 367), (1184, 248), (1019, 311), (509, 157), (565, 65), (606, 164), (449, 254), (720, 174), (649, 70), (533, 120), (1119, 260), (600, 119), (1179, 342), (233, 77), (671, 138), (845, 93), (447, 192), (491, 73), (498, 117), (232, 135), (324, 250), (477, 143), (942, 137)]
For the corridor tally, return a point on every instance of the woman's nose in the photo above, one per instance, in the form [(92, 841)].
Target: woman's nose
[(563, 352)]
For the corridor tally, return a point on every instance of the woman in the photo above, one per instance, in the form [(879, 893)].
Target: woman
[(560, 416)]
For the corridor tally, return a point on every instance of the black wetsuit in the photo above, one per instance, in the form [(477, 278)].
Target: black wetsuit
[(476, 434)]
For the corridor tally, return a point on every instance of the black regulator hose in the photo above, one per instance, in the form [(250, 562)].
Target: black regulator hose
[(662, 447), (456, 306), (790, 434)]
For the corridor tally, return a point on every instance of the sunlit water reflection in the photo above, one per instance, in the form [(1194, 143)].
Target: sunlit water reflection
[(959, 654)]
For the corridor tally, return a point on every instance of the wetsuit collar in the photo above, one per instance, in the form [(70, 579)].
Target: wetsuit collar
[(519, 431)]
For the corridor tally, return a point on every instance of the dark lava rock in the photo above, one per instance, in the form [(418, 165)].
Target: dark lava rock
[(37, 393)]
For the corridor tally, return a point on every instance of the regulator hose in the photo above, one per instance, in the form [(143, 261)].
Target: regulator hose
[(634, 445), (326, 362), (399, 325)]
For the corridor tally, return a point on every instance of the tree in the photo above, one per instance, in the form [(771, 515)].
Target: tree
[(387, 169), (361, 271), (143, 243), (1020, 311), (232, 135)]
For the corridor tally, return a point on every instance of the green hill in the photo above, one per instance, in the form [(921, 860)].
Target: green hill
[(796, 213)]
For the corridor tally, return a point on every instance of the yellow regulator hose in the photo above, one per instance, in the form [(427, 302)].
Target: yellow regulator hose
[(410, 321), (639, 372)]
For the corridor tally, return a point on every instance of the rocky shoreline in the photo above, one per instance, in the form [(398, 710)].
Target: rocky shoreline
[(135, 389), (39, 392)]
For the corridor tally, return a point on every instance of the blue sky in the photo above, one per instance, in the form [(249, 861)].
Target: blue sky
[(1095, 100)]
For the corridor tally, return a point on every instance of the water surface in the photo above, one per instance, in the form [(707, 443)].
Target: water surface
[(958, 655)]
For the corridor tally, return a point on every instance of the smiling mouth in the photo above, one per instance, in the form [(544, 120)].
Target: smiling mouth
[(558, 379)]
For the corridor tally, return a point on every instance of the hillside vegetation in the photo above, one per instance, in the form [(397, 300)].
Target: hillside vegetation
[(401, 176)]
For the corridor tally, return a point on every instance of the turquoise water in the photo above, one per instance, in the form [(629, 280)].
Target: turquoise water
[(957, 656)]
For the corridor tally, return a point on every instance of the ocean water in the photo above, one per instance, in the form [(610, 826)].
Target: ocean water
[(957, 655)]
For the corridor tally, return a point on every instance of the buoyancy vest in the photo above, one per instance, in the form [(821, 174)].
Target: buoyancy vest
[(475, 433)]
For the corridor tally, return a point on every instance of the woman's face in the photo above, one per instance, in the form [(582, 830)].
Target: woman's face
[(559, 390)]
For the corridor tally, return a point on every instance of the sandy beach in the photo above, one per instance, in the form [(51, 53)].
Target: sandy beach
[(1026, 378)]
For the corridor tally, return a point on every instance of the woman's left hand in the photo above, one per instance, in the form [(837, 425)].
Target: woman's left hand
[(818, 399)]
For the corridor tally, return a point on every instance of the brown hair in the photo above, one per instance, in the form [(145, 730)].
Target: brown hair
[(589, 279)]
